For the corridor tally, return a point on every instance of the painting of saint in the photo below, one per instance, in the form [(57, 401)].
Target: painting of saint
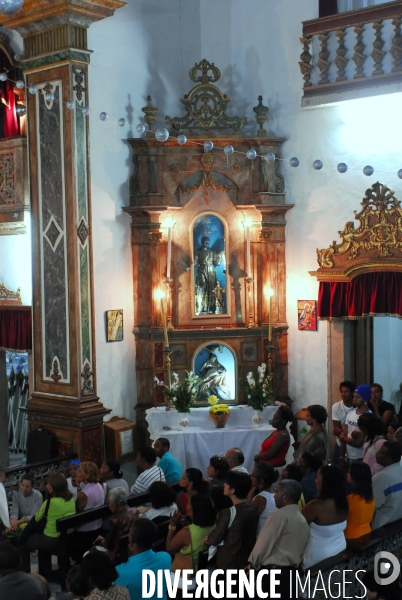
[(307, 315), (209, 266), (114, 319), (215, 366)]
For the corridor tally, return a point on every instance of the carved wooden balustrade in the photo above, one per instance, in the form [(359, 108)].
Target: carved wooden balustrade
[(352, 50)]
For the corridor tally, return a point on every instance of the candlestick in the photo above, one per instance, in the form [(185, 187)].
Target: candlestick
[(164, 323), (247, 224), (169, 253)]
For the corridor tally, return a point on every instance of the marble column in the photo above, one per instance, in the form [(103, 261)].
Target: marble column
[(63, 389)]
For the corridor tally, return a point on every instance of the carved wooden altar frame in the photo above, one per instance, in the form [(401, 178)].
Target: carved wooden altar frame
[(180, 182)]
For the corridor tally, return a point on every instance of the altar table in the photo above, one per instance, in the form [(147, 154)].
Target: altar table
[(194, 446)]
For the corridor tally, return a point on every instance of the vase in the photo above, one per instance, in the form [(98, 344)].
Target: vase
[(257, 418), (183, 421), (219, 420)]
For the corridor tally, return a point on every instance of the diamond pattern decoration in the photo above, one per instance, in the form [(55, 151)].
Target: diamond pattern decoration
[(53, 233), (83, 231)]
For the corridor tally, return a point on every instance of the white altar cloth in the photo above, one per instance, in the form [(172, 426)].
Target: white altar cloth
[(201, 440)]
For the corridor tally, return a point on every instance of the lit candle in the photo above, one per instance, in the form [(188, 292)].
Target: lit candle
[(271, 293), (247, 224), (164, 323), (169, 253)]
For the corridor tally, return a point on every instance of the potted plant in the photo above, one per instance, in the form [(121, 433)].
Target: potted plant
[(181, 396), (219, 413), (259, 391)]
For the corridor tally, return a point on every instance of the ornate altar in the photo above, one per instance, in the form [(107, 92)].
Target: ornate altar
[(208, 235)]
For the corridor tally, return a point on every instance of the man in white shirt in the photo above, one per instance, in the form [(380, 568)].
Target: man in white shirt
[(352, 435), (146, 459), (235, 458), (26, 503), (339, 411), (387, 485)]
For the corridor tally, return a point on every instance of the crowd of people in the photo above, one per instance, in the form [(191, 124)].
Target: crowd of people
[(285, 516)]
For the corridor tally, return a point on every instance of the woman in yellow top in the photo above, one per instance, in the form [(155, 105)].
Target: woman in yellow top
[(361, 501), (62, 504), (190, 539)]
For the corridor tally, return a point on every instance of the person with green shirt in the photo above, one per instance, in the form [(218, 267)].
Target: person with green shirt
[(61, 505)]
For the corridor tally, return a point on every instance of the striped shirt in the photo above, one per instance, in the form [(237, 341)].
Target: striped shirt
[(144, 480)]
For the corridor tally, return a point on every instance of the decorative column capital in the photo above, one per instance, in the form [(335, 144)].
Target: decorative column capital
[(40, 15)]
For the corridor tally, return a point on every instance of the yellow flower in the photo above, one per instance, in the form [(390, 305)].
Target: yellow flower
[(219, 408), (212, 400)]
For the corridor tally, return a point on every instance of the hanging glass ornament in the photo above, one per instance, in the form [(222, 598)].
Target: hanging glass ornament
[(49, 97), (10, 7), (33, 89), (342, 167), (251, 154), (70, 104), (140, 128), (162, 134), (20, 84), (121, 122), (103, 116), (3, 76), (208, 145), (400, 173), (270, 157), (368, 170), (228, 150), (318, 164), (21, 110), (294, 161), (181, 139), (85, 110)]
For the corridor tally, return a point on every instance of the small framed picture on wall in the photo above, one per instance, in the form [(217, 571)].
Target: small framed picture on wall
[(307, 315), (114, 325)]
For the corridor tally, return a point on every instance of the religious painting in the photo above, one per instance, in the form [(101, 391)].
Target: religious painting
[(114, 325), (209, 260), (307, 315), (215, 364)]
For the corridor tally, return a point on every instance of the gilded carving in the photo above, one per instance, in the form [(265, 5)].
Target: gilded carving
[(7, 192), (207, 182), (380, 228), (6, 294), (87, 374), (155, 237), (265, 235), (55, 375), (79, 76), (205, 104), (175, 167), (237, 167)]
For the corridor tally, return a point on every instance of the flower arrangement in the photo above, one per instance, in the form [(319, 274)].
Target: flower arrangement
[(216, 408), (259, 390), (181, 396)]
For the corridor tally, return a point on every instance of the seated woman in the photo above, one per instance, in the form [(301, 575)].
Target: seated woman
[(61, 505), (217, 470), (120, 523), (163, 501), (189, 541), (316, 439), (262, 493), (361, 501), (101, 573), (91, 495), (276, 446), (193, 483), (236, 527), (309, 464), (112, 477), (374, 430), (327, 517)]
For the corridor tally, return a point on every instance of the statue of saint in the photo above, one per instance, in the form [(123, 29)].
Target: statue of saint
[(213, 378), (205, 278), (219, 297)]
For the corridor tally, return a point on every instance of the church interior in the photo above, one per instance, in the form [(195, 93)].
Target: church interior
[(195, 187)]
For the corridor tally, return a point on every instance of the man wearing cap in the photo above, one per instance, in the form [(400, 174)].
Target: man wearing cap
[(73, 485), (352, 435)]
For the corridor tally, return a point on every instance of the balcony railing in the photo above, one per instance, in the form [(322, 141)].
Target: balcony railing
[(350, 51)]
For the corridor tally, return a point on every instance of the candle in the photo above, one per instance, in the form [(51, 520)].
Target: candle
[(169, 253), (164, 323), (247, 224), (271, 293)]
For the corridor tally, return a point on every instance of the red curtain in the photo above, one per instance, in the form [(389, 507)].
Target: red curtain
[(369, 294), (16, 329)]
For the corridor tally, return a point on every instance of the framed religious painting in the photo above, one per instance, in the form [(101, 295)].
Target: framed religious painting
[(307, 315), (114, 325), (215, 365), (209, 260)]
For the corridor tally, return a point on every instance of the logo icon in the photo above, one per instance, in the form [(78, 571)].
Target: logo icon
[(383, 561)]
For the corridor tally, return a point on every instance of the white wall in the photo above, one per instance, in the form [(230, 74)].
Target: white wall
[(387, 345)]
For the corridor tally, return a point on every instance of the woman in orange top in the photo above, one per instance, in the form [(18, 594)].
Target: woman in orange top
[(361, 501)]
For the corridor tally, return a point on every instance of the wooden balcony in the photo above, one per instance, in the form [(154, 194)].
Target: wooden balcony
[(352, 54), (14, 185)]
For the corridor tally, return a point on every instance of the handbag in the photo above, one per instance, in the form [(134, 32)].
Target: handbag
[(34, 526), (183, 562)]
